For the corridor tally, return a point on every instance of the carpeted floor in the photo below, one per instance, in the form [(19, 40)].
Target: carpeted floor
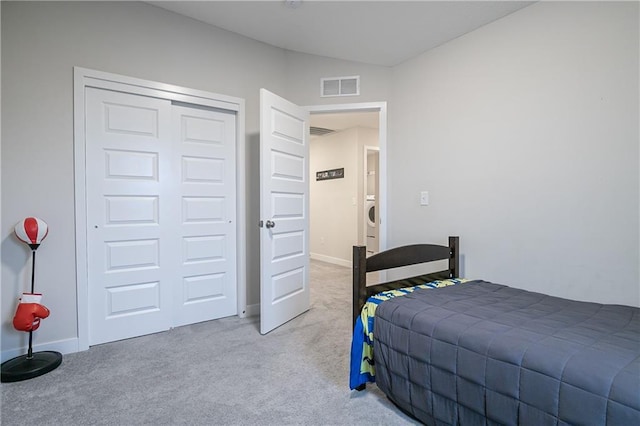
[(220, 372)]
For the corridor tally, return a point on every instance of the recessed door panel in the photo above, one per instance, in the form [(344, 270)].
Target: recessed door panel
[(203, 209), (198, 129), (287, 126), (287, 205), (132, 119), (131, 210), (202, 170), (287, 166), (208, 248), (287, 285), (123, 255), (204, 288), (287, 245), (131, 165), (133, 299)]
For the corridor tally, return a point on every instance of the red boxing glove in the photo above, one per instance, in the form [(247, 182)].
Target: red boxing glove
[(29, 312)]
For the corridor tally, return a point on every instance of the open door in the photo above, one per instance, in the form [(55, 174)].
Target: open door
[(284, 211)]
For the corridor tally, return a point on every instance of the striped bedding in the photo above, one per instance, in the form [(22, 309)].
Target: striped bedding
[(362, 359)]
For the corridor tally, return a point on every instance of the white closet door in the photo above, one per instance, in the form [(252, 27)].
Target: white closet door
[(204, 143), (127, 154), (161, 208)]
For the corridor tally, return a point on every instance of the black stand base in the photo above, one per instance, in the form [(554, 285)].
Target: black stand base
[(22, 368)]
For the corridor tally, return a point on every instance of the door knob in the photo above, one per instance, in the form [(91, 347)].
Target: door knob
[(270, 224)]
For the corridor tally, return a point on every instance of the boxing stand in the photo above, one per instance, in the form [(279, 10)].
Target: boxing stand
[(32, 364)]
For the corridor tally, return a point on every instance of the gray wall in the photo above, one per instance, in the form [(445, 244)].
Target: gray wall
[(525, 134)]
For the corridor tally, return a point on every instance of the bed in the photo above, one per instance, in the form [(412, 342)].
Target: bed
[(452, 351)]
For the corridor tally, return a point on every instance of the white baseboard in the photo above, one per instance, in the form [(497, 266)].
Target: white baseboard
[(333, 260), (66, 346), (253, 310)]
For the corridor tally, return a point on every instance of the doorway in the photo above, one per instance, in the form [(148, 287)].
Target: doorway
[(339, 214)]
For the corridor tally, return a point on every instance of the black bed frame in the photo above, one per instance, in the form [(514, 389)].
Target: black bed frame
[(398, 257), (395, 258)]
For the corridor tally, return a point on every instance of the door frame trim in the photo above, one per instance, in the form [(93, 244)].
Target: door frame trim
[(83, 78), (381, 108), (365, 162)]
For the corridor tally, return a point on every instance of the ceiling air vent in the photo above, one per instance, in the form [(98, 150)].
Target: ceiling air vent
[(319, 131), (340, 86)]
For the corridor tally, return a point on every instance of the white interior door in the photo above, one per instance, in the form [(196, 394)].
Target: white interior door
[(129, 147), (284, 211), (161, 243), (205, 144)]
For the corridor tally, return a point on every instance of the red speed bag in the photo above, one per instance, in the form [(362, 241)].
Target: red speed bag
[(31, 230)]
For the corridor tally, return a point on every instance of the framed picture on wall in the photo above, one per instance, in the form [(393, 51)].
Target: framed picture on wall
[(330, 174)]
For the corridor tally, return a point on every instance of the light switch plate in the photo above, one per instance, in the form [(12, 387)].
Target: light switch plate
[(424, 198)]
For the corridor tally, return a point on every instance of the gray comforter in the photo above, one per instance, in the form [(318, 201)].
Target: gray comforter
[(484, 353)]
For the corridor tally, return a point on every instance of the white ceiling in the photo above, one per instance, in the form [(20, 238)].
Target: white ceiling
[(374, 32)]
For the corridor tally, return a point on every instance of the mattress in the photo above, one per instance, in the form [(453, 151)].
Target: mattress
[(485, 353)]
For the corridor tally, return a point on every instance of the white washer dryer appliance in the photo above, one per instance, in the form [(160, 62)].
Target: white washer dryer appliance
[(370, 211)]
